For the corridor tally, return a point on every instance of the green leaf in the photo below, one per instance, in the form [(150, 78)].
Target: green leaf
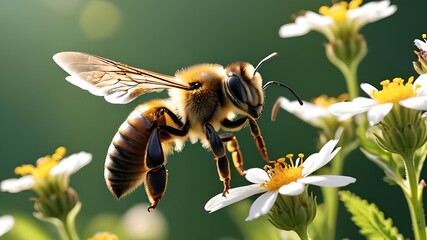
[(369, 218)]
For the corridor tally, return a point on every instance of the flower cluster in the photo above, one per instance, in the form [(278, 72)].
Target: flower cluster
[(282, 178)]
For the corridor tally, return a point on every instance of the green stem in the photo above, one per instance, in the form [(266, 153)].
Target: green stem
[(66, 229), (414, 199), (330, 196), (351, 80), (302, 233)]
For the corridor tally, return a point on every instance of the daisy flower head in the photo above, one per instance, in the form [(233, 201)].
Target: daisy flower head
[(51, 169), (49, 178), (315, 113), (420, 66), (284, 177), (412, 95), (340, 18)]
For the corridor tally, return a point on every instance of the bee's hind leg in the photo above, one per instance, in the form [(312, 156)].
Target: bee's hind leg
[(222, 164), (157, 177)]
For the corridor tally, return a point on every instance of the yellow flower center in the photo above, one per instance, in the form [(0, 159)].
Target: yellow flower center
[(338, 11), (395, 90), (104, 236), (325, 101), (43, 165), (282, 173)]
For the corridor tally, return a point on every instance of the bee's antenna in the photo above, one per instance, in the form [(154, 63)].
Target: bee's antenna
[(283, 85), (264, 60)]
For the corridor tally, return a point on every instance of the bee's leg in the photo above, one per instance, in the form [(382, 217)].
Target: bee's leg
[(157, 177), (234, 148), (259, 140), (255, 132), (222, 164)]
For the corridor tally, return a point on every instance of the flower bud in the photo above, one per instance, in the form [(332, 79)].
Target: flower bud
[(293, 212), (57, 205), (403, 130)]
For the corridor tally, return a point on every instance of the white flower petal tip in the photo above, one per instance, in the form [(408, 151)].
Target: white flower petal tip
[(6, 224), (378, 112), (320, 159), (72, 164), (234, 195), (328, 180), (15, 185)]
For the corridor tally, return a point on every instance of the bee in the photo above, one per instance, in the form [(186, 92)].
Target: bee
[(204, 98)]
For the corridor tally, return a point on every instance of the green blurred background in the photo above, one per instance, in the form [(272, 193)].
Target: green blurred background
[(41, 111)]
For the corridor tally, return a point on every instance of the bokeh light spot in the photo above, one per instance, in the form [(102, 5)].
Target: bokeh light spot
[(100, 19)]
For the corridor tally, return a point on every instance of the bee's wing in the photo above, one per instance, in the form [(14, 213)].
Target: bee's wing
[(117, 82)]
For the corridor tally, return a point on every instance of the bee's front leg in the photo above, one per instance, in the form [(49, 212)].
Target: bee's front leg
[(234, 148), (222, 164)]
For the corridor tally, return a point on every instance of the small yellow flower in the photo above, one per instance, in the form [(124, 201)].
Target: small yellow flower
[(104, 236)]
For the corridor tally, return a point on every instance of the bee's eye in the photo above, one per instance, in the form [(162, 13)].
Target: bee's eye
[(236, 88), (195, 85)]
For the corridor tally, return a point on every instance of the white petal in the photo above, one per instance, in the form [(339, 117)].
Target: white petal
[(421, 82), (417, 103), (372, 11), (71, 164), (327, 180), (234, 195), (256, 175), (6, 223), (308, 112), (421, 45), (377, 113), (262, 205), (318, 21), (358, 105), (368, 89), (320, 159), (15, 185), (292, 189), (293, 30)]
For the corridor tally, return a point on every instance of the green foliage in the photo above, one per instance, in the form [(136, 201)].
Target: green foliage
[(369, 218)]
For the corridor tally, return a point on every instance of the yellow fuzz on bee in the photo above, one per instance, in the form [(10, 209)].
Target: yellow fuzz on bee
[(395, 90), (282, 172), (43, 165), (338, 11), (325, 101)]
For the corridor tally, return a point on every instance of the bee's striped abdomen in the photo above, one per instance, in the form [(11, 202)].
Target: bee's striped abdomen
[(125, 165)]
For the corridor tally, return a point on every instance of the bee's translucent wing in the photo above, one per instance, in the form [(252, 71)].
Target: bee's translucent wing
[(117, 82)]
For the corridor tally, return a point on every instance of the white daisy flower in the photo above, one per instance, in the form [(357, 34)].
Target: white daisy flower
[(411, 95), (283, 178), (6, 223), (49, 169), (341, 15), (315, 113)]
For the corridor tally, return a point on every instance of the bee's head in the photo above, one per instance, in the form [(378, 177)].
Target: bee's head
[(244, 86)]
